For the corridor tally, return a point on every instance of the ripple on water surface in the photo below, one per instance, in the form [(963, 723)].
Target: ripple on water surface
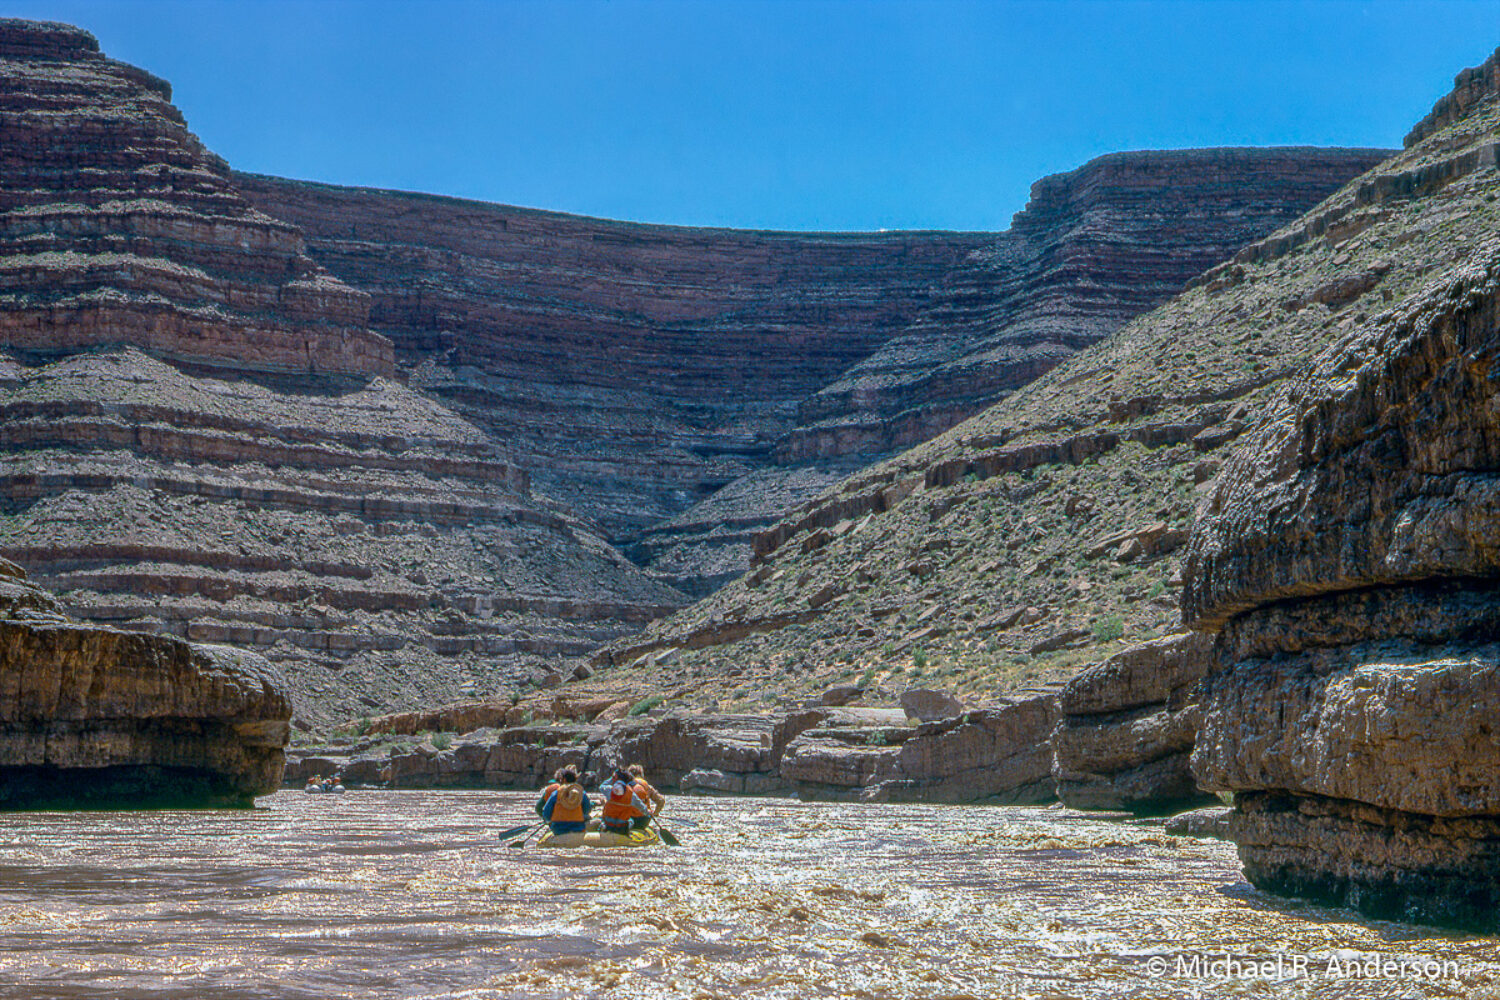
[(410, 895)]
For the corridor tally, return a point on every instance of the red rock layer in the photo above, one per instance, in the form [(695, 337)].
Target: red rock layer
[(117, 226)]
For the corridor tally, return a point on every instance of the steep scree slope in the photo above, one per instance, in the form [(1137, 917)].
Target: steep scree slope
[(1040, 535)]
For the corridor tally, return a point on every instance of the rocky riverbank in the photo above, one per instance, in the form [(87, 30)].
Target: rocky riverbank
[(998, 753), (93, 717)]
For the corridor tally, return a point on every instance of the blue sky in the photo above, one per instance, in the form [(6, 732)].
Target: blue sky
[(785, 114)]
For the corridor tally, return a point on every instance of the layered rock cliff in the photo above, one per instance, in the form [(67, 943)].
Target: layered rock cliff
[(1093, 249), (97, 718), (205, 434), (684, 388), (198, 436), (635, 369), (1128, 726), (117, 225), (1347, 560), (1041, 536)]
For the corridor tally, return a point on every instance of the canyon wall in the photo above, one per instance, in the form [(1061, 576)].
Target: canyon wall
[(1347, 561), (201, 437), (1093, 249), (434, 447), (117, 225), (683, 388)]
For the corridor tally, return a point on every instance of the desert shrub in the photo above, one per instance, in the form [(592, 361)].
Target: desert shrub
[(1109, 628), (646, 704)]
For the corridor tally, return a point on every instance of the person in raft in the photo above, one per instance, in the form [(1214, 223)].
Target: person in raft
[(654, 800), (552, 786), (567, 808), (621, 803)]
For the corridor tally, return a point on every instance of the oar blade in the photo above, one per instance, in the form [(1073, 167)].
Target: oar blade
[(514, 831), (667, 837)]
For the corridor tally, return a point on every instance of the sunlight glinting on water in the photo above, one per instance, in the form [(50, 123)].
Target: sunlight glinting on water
[(410, 895)]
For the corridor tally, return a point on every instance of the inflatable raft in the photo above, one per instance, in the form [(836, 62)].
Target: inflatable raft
[(598, 838)]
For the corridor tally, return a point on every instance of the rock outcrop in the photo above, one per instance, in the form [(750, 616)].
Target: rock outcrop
[(1347, 559), (198, 437), (93, 717), (116, 225), (412, 458), (1093, 249), (1125, 740), (1047, 532), (998, 754)]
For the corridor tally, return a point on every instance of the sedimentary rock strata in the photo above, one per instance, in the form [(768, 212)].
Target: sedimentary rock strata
[(198, 437), (684, 388), (95, 717), (1126, 734), (1047, 532), (117, 225), (408, 459), (1093, 249), (1347, 559), (999, 753)]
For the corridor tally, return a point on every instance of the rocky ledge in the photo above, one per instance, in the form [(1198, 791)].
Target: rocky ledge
[(1000, 753), (1348, 559), (98, 718), (1125, 739)]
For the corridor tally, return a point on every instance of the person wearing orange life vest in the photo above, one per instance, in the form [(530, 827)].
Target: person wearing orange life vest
[(567, 808), (553, 786), (621, 803), (655, 801)]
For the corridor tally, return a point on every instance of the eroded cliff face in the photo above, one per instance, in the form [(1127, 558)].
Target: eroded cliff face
[(1093, 249), (1348, 558), (205, 435), (117, 225), (94, 717), (635, 369), (198, 437), (684, 388), (1039, 537)]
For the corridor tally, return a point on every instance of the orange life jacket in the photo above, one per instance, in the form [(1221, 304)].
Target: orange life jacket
[(645, 791), (567, 806), (620, 804)]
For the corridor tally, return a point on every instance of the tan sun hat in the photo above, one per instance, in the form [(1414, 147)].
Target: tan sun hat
[(570, 797)]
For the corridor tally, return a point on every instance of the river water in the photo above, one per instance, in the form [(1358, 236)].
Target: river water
[(410, 895)]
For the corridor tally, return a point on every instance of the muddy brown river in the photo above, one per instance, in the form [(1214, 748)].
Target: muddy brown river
[(410, 895)]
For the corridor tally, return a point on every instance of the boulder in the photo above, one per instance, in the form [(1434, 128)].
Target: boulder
[(927, 705), (841, 694), (1210, 822)]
